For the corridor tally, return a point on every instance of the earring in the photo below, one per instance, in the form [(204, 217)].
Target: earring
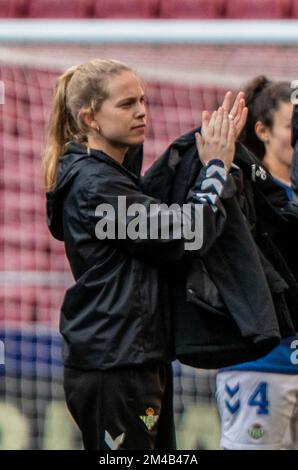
[(97, 128)]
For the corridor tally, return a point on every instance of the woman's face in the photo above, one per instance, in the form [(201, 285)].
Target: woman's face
[(122, 116), (278, 143)]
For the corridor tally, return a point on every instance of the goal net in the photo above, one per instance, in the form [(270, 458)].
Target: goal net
[(181, 81)]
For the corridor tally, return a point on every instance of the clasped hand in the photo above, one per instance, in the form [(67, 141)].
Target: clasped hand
[(220, 131)]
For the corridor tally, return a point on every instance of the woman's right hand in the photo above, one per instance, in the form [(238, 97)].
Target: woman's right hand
[(219, 138)]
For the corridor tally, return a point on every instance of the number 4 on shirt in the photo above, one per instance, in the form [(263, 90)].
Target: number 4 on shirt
[(259, 398)]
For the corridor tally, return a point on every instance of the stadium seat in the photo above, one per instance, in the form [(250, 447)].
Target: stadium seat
[(257, 9), (294, 9), (196, 100), (58, 262), (13, 8), (12, 180), (59, 9), (157, 122), (14, 310), (125, 9), (28, 303), (191, 9), (153, 94)]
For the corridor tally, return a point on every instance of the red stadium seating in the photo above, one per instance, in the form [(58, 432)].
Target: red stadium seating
[(257, 9), (59, 9), (13, 8), (27, 303), (294, 9), (191, 9), (125, 9)]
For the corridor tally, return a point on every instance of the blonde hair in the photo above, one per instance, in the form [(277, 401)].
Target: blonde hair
[(80, 87)]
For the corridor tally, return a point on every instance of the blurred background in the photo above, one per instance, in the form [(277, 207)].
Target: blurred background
[(189, 53)]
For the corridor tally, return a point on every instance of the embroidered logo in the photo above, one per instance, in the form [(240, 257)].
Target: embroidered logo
[(150, 419), (258, 172), (114, 444), (256, 431)]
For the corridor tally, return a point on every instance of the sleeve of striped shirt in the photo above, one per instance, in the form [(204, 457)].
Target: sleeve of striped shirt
[(213, 184)]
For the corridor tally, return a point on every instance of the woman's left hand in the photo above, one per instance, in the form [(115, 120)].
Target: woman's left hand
[(236, 111)]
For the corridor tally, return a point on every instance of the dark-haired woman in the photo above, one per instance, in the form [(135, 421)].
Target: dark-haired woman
[(258, 401)]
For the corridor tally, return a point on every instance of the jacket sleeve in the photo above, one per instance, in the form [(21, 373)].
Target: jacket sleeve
[(118, 211)]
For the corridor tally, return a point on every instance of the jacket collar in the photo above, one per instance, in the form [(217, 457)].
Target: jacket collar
[(102, 156)]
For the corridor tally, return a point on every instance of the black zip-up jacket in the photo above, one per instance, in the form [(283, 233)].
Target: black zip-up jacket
[(222, 298), (274, 223), (116, 314)]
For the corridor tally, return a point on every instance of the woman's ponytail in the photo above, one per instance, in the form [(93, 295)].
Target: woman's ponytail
[(253, 100), (255, 88), (61, 130)]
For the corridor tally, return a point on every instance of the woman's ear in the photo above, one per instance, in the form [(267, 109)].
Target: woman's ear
[(262, 132), (87, 116)]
